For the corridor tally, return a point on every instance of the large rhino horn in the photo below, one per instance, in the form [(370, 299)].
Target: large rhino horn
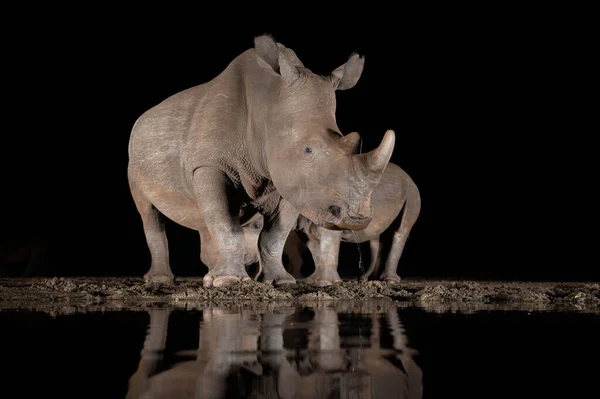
[(370, 166)]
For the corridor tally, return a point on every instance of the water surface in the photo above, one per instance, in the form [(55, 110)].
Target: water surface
[(328, 349)]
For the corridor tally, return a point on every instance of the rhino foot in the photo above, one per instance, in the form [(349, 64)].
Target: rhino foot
[(391, 278), (158, 278), (281, 278), (223, 279), (324, 277)]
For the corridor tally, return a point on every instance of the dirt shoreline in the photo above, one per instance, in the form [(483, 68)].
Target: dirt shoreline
[(80, 294)]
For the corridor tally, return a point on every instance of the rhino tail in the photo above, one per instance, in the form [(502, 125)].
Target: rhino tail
[(259, 272), (411, 211)]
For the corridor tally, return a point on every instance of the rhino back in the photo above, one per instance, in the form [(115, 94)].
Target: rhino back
[(199, 126), (192, 126)]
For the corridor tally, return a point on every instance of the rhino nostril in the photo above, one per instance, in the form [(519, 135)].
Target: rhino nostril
[(336, 211)]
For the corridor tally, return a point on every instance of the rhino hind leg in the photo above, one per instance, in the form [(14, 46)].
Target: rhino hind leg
[(375, 246), (156, 239), (410, 213), (220, 211), (390, 273)]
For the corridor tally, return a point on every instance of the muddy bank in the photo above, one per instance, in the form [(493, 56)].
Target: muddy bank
[(102, 293)]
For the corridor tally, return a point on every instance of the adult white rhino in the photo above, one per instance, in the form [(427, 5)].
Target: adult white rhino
[(263, 135)]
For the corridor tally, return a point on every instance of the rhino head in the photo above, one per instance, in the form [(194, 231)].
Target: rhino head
[(311, 164)]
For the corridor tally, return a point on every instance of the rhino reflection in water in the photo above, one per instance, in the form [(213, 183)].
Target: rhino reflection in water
[(227, 343), (242, 354)]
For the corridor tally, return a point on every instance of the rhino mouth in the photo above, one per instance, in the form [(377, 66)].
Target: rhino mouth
[(352, 223), (335, 221)]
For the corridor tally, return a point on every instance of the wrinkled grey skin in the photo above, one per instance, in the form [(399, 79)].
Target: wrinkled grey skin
[(396, 192), (263, 134)]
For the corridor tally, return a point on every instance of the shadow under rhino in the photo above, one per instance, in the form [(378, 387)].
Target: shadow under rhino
[(282, 353)]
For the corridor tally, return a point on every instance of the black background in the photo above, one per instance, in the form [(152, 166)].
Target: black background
[(481, 102)]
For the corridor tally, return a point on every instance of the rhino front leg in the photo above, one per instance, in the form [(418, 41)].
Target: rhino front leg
[(207, 250), (271, 242), (156, 239), (325, 251), (220, 210), (375, 246)]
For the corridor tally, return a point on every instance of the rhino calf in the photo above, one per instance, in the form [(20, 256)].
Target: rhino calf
[(396, 205), (261, 134), (293, 248)]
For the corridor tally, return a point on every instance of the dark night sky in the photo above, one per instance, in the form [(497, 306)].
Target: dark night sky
[(473, 101)]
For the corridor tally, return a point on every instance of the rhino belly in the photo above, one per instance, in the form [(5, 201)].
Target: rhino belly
[(178, 207)]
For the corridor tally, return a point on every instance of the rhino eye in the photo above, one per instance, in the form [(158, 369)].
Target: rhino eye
[(308, 150), (256, 226)]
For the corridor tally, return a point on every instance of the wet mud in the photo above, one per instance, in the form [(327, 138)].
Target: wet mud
[(69, 295)]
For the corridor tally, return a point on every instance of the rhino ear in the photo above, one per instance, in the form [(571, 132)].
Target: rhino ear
[(347, 75), (275, 61), (290, 55), (267, 53), (287, 69)]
